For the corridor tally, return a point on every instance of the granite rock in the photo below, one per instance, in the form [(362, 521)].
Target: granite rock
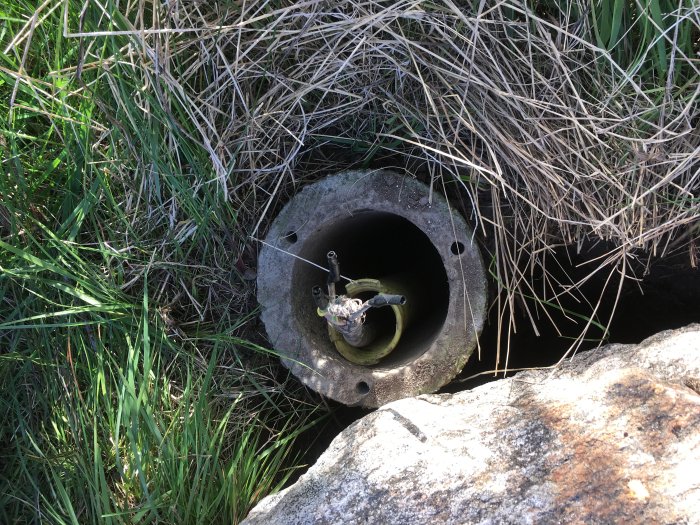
[(610, 436)]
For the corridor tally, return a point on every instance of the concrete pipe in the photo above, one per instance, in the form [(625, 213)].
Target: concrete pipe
[(383, 228)]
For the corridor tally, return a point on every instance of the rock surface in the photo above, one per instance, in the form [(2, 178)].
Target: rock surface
[(612, 436)]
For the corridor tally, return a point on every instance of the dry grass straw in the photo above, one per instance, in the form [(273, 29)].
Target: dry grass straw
[(551, 140)]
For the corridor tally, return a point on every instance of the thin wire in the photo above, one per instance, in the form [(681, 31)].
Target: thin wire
[(297, 257)]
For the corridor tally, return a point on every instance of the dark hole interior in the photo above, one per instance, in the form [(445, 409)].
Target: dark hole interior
[(384, 246), (666, 297), (362, 388), (457, 248)]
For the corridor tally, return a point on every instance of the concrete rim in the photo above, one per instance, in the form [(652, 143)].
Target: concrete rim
[(312, 358)]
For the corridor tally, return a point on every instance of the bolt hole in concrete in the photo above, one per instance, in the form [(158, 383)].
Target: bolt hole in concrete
[(362, 388), (457, 248), (291, 237)]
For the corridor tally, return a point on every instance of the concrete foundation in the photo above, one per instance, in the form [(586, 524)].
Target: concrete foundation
[(382, 226)]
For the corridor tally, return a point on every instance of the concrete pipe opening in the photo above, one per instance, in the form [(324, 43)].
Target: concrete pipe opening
[(389, 239)]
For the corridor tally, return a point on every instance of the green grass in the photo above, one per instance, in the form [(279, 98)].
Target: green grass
[(107, 419), (649, 37), (652, 40), (121, 404)]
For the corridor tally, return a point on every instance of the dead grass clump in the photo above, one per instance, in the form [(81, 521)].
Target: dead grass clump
[(552, 138)]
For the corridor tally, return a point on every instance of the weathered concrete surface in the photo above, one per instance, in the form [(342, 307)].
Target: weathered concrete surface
[(612, 436)]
